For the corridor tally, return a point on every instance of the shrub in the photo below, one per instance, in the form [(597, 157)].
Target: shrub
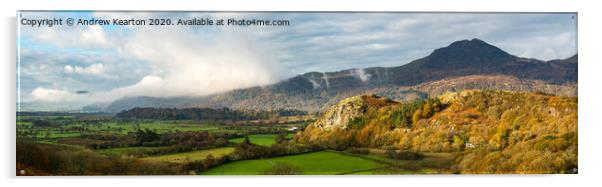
[(404, 155), (361, 151)]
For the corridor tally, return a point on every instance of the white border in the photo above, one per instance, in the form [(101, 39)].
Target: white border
[(589, 107)]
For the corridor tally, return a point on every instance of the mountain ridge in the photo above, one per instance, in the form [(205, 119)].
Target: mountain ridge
[(313, 91)]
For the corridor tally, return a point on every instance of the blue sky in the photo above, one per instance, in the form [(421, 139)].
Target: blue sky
[(117, 61)]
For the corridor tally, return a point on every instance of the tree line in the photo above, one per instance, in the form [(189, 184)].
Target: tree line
[(204, 114)]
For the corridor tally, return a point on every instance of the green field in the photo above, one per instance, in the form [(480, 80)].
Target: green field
[(159, 126), (432, 163), (70, 127), (318, 163), (75, 129), (260, 139), (191, 156)]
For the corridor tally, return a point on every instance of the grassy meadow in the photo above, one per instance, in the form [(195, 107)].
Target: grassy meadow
[(260, 139), (318, 163), (191, 156)]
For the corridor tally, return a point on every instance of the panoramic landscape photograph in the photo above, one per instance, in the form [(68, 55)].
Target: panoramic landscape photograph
[(295, 93)]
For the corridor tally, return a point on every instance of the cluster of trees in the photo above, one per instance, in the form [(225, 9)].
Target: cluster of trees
[(280, 137), (404, 155), (495, 131), (40, 113), (40, 123), (247, 150), (41, 159), (147, 135), (45, 121), (409, 113), (205, 164), (50, 123), (535, 133), (358, 150), (242, 130), (169, 142), (203, 114), (189, 141), (101, 141)]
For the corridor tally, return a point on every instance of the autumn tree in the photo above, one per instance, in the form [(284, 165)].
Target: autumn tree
[(417, 116)]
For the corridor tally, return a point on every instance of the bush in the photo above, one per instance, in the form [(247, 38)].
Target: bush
[(253, 151), (404, 155), (361, 151), (42, 123)]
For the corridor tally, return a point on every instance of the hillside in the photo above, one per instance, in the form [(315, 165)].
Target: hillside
[(494, 82), (466, 64), (496, 131), (476, 57), (461, 58)]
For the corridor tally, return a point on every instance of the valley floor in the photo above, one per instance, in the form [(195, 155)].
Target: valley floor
[(318, 163), (337, 163)]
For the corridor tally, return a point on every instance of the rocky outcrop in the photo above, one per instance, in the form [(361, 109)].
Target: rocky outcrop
[(341, 114)]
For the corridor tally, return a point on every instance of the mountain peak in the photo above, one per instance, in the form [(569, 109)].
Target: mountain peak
[(466, 53), (468, 43), (474, 47)]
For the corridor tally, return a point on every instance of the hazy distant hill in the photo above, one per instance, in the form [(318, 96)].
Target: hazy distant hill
[(450, 68), (145, 101)]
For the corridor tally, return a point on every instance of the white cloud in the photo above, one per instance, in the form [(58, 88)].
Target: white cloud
[(84, 37), (403, 24), (52, 95), (192, 65), (362, 75), (94, 69), (561, 45), (186, 63), (148, 86)]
